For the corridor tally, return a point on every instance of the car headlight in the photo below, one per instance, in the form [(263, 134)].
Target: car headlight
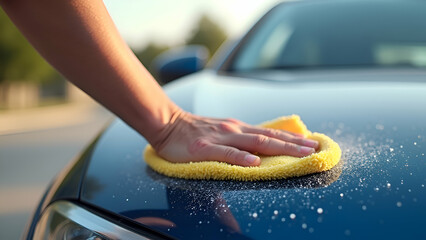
[(66, 221)]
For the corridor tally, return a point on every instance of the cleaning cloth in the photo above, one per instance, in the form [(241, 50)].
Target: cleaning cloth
[(271, 167)]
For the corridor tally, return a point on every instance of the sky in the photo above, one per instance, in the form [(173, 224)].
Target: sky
[(168, 22)]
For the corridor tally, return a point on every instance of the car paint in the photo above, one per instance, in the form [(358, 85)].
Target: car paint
[(378, 189)]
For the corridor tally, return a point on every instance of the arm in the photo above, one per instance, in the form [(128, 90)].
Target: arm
[(80, 40)]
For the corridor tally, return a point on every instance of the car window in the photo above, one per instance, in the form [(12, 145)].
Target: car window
[(346, 33)]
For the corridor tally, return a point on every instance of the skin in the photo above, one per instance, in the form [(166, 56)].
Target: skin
[(79, 38)]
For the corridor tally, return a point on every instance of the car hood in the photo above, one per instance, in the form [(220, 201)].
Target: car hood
[(377, 190)]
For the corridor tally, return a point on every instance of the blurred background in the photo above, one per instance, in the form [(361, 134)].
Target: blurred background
[(45, 121)]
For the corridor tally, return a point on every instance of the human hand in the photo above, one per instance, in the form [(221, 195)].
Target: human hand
[(191, 138)]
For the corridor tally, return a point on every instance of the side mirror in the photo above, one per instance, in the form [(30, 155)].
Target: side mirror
[(179, 62)]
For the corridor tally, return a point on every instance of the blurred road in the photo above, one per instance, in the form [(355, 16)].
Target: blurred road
[(33, 151)]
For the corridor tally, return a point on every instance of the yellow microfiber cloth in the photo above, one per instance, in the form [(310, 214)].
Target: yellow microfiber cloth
[(271, 167)]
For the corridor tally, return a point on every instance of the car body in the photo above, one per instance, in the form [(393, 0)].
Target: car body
[(375, 109)]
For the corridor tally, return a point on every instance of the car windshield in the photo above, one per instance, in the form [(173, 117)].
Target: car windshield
[(336, 34)]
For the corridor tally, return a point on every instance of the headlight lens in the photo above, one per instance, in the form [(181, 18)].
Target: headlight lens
[(68, 230), (66, 221)]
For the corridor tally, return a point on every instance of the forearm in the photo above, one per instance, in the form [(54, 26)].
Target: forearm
[(79, 39)]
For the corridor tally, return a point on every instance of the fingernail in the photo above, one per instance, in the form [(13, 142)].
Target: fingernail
[(251, 158), (306, 150), (310, 143)]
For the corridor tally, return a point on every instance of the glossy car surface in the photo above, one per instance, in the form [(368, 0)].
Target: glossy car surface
[(374, 110)]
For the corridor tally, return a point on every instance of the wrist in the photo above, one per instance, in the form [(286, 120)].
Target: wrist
[(157, 125)]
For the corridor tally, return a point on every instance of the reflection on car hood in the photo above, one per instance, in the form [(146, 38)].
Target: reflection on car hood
[(378, 189)]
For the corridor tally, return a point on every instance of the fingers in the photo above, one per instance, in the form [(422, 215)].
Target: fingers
[(230, 141), (283, 136), (235, 126), (267, 145), (221, 153)]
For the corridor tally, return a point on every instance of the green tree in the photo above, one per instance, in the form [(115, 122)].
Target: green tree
[(18, 59), (207, 33)]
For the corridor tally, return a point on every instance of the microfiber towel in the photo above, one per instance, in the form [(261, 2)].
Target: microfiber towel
[(271, 167)]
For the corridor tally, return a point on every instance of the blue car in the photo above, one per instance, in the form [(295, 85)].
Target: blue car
[(354, 70)]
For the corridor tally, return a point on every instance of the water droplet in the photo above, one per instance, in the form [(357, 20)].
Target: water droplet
[(282, 219), (304, 226), (255, 215), (391, 149), (292, 216), (364, 207), (269, 230), (341, 194), (376, 189), (127, 199), (320, 210), (311, 230), (380, 127), (339, 207), (415, 143), (347, 232), (200, 222), (388, 185), (275, 212), (221, 230), (398, 204)]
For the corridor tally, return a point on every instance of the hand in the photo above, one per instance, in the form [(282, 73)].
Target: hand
[(191, 138)]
